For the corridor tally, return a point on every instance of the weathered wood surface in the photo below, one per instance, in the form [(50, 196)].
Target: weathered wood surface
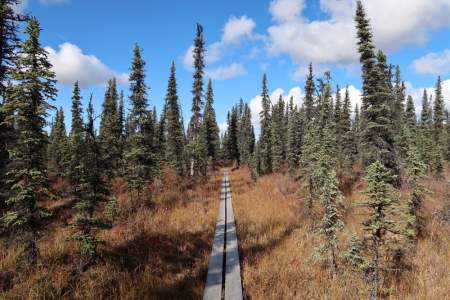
[(224, 273)]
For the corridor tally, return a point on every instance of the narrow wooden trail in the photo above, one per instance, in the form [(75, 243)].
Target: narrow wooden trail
[(224, 273)]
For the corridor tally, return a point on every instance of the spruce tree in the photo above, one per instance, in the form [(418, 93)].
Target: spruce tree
[(265, 138), (426, 131), (310, 88), (381, 197), (408, 128), (76, 144), (175, 134), (27, 110), (10, 21), (366, 50), (210, 125), (195, 143), (92, 192), (139, 155), (347, 141), (377, 136), (295, 133), (278, 135), (415, 172), (58, 148), (110, 134), (438, 131), (232, 142), (245, 134), (330, 197), (398, 102)]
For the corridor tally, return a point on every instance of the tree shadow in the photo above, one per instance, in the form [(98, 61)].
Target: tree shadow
[(180, 256)]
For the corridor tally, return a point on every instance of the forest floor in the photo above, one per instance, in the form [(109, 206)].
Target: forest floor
[(160, 250), (277, 237)]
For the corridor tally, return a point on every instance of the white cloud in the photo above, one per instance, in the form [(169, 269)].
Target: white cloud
[(256, 105), (230, 71), (333, 40), (237, 28), (71, 64), (286, 10), (433, 63), (234, 31)]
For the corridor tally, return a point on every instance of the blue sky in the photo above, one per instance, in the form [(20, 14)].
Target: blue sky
[(92, 40)]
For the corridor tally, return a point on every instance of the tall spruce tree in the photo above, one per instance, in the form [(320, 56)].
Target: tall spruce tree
[(265, 138), (438, 131), (210, 125), (139, 155), (347, 141), (10, 21), (308, 102), (196, 144), (76, 142), (27, 109), (330, 197), (175, 134), (278, 135), (377, 136), (426, 131)]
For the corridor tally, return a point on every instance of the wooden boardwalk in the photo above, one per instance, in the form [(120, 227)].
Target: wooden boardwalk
[(224, 272)]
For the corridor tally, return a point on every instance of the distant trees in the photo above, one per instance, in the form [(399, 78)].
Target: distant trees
[(58, 148)]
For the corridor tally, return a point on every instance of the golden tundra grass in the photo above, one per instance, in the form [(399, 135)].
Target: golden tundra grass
[(277, 239), (157, 251)]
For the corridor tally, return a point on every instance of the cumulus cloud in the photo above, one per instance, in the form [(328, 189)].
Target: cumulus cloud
[(333, 39), (71, 64), (235, 30), (256, 105), (433, 63), (227, 72)]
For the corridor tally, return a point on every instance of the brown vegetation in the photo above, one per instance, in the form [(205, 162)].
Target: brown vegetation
[(157, 251), (277, 239)]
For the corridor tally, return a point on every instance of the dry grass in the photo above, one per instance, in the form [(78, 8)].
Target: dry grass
[(277, 240), (157, 251)]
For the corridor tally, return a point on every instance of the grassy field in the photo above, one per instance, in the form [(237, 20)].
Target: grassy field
[(277, 239), (157, 251)]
